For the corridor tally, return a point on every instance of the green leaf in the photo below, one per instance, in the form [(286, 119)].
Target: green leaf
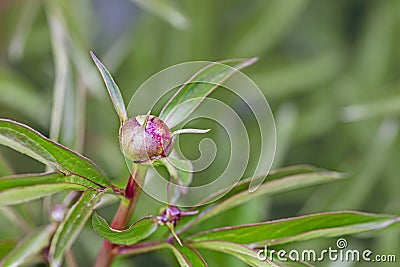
[(140, 248), (166, 11), (378, 107), (5, 247), (195, 90), (187, 256), (31, 245), (62, 69), (5, 169), (181, 172), (22, 30), (280, 180), (305, 74), (288, 262), (306, 227), (30, 142), (140, 230), (72, 224), (21, 188), (113, 89), (241, 252)]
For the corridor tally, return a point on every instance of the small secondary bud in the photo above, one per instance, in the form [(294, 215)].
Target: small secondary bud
[(145, 137)]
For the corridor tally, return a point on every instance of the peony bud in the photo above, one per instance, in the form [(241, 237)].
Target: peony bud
[(143, 142)]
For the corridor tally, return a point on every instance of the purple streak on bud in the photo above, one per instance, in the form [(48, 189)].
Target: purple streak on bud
[(140, 143)]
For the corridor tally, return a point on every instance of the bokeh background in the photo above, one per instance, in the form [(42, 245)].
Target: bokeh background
[(329, 69)]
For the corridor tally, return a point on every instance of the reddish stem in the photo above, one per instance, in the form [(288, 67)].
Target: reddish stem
[(121, 219)]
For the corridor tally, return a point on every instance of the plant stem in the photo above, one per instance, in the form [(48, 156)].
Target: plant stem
[(70, 259), (121, 219)]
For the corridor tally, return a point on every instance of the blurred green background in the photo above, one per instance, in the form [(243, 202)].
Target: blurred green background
[(329, 69)]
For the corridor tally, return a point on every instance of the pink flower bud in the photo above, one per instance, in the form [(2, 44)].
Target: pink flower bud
[(140, 143)]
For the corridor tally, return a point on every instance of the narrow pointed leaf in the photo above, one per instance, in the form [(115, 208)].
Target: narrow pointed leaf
[(112, 89), (195, 90), (241, 252), (281, 180), (306, 227), (25, 140), (72, 224), (187, 256), (21, 188), (31, 245), (138, 231)]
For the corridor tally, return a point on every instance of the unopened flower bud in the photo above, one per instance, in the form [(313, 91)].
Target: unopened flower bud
[(141, 140)]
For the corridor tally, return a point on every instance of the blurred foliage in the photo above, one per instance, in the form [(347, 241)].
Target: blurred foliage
[(329, 69)]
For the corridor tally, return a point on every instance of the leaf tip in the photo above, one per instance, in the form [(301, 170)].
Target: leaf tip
[(93, 56), (249, 62), (253, 60)]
